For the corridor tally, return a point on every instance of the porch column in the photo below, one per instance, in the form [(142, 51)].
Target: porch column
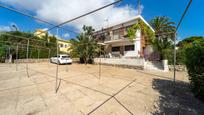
[(137, 42), (122, 49)]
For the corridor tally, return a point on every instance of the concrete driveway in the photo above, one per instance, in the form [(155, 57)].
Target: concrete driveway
[(81, 91)]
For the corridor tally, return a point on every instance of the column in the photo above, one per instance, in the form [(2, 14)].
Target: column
[(137, 42)]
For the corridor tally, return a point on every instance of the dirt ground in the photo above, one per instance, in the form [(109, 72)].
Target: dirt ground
[(80, 90)]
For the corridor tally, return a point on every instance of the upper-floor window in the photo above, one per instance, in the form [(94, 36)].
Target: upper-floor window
[(116, 34), (61, 45)]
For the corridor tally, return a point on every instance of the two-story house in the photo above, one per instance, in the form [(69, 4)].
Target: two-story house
[(117, 43), (63, 44)]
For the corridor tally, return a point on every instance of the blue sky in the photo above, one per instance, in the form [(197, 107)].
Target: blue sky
[(193, 24)]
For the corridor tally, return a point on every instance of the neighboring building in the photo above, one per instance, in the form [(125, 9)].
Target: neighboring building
[(40, 33), (64, 45), (118, 45)]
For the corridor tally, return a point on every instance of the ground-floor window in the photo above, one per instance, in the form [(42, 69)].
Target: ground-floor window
[(116, 49), (129, 48)]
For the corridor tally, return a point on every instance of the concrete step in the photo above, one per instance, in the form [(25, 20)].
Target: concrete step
[(153, 66)]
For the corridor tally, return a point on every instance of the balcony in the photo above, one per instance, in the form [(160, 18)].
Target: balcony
[(115, 38)]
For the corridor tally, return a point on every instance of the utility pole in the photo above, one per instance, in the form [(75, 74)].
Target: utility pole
[(139, 7)]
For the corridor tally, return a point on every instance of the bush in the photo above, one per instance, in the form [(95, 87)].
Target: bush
[(195, 66), (180, 56)]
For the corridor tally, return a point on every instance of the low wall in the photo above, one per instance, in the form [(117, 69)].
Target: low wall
[(32, 60), (178, 68), (122, 62)]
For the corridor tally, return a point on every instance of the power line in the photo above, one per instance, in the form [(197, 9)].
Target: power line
[(77, 18), (33, 17), (25, 38), (80, 16), (183, 15)]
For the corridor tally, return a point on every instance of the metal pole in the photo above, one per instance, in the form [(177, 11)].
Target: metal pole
[(49, 54), (9, 56), (67, 67), (48, 57), (38, 55), (17, 57), (174, 78), (28, 43), (57, 66), (100, 63), (6, 55)]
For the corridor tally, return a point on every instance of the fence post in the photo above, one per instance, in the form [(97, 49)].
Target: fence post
[(48, 57), (38, 54), (10, 57), (100, 63), (56, 84), (49, 54), (174, 78), (28, 43), (17, 57), (6, 54)]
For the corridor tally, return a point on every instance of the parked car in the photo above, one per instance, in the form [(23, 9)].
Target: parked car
[(61, 59)]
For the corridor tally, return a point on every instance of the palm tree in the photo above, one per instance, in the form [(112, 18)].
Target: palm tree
[(163, 27), (84, 46), (164, 34)]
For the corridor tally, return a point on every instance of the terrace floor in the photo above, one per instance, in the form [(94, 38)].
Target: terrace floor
[(118, 91)]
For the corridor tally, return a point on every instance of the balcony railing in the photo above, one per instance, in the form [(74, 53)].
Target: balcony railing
[(109, 38)]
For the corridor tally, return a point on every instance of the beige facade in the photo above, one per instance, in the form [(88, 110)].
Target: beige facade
[(64, 45), (40, 33)]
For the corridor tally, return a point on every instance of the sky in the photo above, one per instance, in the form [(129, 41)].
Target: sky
[(58, 11)]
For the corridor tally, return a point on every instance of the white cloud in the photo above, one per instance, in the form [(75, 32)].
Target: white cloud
[(66, 35), (5, 28), (61, 10)]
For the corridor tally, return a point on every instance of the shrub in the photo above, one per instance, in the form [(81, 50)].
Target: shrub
[(195, 66), (180, 56)]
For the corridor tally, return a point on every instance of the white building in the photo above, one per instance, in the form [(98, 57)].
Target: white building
[(117, 43)]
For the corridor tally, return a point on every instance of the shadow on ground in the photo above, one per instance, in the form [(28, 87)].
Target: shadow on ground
[(181, 103)]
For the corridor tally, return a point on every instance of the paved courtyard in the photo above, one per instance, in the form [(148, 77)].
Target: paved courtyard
[(81, 91)]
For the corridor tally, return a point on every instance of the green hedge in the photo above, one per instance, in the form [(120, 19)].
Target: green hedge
[(180, 56), (195, 65)]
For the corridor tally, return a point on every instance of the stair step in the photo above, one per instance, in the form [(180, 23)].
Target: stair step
[(154, 66)]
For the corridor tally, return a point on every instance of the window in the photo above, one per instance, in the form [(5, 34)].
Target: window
[(115, 49), (129, 48), (61, 45), (116, 34), (63, 57)]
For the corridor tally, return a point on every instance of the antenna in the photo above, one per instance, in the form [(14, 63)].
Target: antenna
[(139, 7)]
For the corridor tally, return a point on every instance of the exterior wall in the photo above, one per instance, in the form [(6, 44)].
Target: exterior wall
[(117, 36), (121, 61), (137, 42), (63, 46), (40, 33), (143, 45)]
